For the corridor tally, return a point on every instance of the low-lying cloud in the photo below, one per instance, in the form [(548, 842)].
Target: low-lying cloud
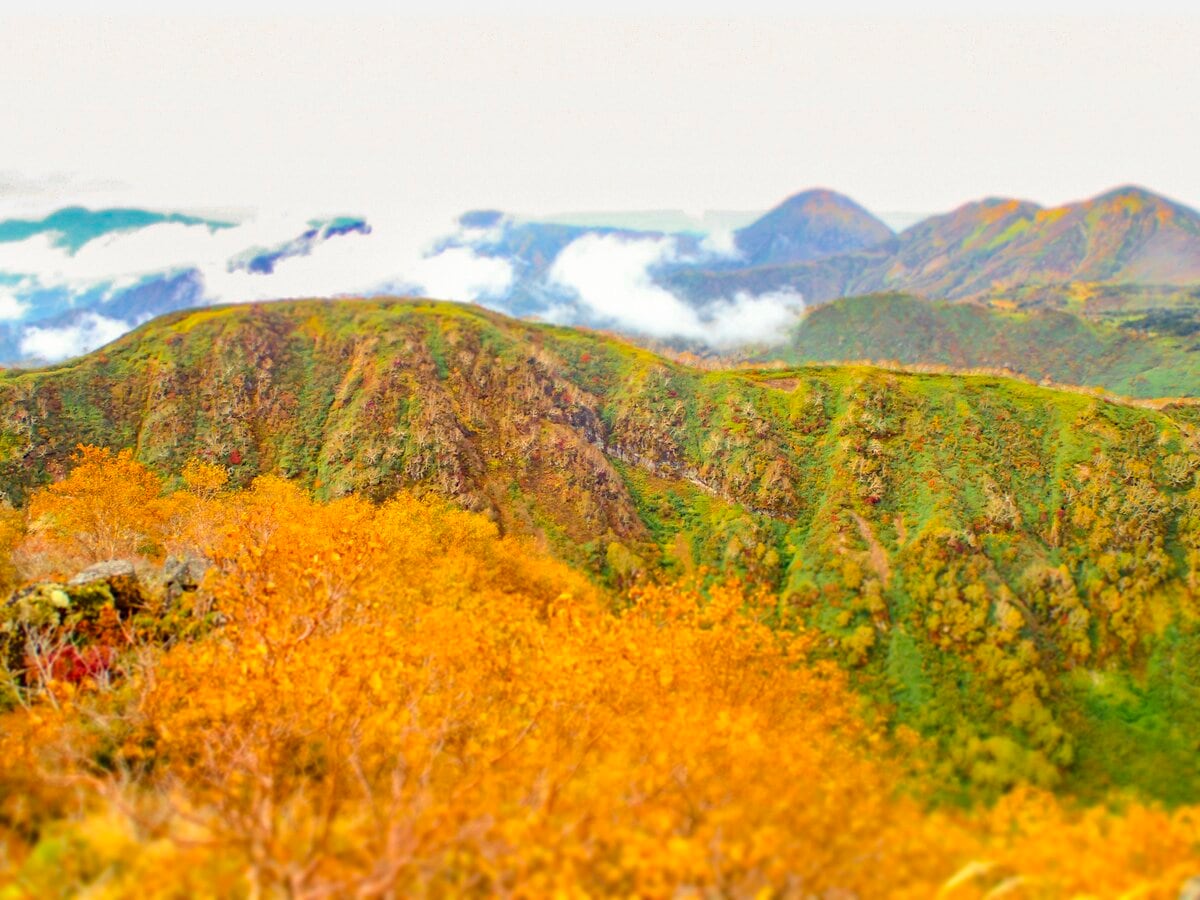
[(393, 254), (89, 331), (394, 258), (600, 278), (612, 278), (11, 306)]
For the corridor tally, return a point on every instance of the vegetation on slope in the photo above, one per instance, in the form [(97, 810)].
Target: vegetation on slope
[(393, 700), (1008, 569), (1128, 235), (1135, 359)]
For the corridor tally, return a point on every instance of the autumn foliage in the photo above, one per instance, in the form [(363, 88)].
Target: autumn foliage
[(108, 507), (394, 700)]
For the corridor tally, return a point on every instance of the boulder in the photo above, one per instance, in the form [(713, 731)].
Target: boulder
[(49, 610), (180, 575), (36, 607), (119, 577)]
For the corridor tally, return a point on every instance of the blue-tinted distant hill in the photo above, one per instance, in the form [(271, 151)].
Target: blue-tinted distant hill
[(75, 226), (810, 225)]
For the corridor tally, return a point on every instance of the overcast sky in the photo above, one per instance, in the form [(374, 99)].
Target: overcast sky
[(541, 116)]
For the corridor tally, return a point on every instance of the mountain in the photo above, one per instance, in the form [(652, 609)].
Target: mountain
[(530, 249), (1151, 355), (263, 260), (1128, 236), (807, 226), (1125, 265), (1008, 569), (48, 311)]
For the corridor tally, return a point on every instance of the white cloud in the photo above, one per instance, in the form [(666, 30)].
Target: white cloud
[(460, 274), (481, 237), (11, 307), (392, 256), (90, 331), (129, 254), (611, 277), (753, 318), (720, 242)]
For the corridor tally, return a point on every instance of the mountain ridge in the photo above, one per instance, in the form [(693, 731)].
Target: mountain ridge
[(1133, 357), (1128, 235), (817, 244), (907, 517)]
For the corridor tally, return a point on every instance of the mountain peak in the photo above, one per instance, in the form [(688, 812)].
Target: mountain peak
[(1132, 198), (1131, 192), (818, 194), (810, 225), (819, 200)]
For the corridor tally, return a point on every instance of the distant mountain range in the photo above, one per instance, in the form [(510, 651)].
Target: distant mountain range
[(1129, 236), (1125, 252)]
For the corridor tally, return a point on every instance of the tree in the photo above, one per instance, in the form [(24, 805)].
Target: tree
[(108, 507)]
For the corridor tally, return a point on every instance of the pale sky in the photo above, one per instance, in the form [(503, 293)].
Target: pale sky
[(542, 116)]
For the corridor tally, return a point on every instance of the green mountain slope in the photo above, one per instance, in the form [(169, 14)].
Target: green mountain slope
[(1011, 570), (1061, 347)]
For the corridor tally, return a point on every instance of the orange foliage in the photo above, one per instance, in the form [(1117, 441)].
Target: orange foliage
[(402, 702), (108, 507), (204, 479), (12, 531)]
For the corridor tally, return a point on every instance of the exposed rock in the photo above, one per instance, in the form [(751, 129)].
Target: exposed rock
[(41, 611), (121, 579), (63, 618), (103, 571), (180, 575)]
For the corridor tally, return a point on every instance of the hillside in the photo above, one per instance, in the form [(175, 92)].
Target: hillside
[(1008, 569), (391, 699), (1146, 355)]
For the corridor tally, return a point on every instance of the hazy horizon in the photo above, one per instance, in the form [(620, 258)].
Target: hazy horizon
[(543, 116)]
